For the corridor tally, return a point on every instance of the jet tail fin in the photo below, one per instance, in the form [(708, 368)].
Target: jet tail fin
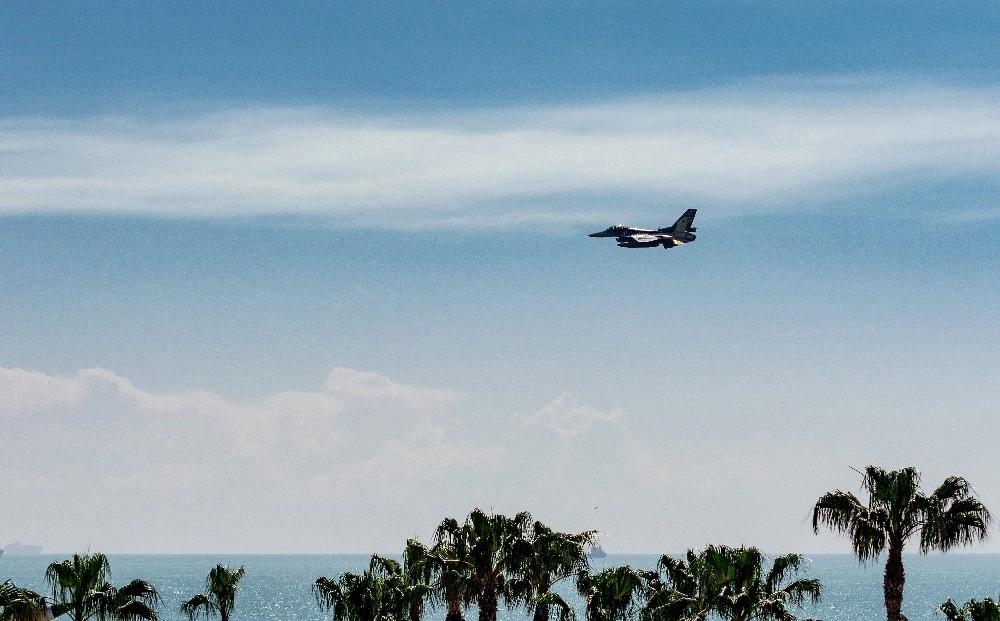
[(685, 221)]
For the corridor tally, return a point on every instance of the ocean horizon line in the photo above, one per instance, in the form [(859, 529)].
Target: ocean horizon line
[(400, 552)]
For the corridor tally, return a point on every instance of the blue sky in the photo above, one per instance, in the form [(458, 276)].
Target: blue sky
[(310, 278), (77, 58)]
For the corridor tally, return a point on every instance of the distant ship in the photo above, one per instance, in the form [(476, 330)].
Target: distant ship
[(19, 549), (597, 552)]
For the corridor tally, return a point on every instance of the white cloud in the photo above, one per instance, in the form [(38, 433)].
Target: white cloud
[(197, 424), (92, 460), (739, 145), (99, 444), (568, 418), (29, 390), (349, 384)]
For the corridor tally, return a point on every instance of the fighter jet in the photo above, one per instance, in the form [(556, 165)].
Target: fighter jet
[(627, 237)]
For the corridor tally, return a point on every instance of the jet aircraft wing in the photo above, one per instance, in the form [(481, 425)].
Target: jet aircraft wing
[(643, 238)]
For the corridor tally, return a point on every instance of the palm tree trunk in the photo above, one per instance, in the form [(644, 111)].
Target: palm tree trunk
[(454, 611), (488, 605), (893, 582), (542, 610)]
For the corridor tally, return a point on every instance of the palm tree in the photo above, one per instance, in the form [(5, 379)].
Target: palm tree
[(731, 583), (417, 577), (750, 592), (553, 556), (896, 510), (490, 550), (611, 595), (380, 593), (219, 597), (448, 567), (17, 604), (81, 589), (678, 590), (986, 610)]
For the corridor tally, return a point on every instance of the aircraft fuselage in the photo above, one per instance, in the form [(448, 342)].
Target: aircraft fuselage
[(628, 237)]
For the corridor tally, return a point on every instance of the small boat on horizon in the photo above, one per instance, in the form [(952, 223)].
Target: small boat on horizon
[(596, 551)]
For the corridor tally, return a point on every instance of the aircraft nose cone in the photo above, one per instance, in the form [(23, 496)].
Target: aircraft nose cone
[(594, 235)]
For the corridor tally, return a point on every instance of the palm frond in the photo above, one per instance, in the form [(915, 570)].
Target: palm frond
[(135, 610), (199, 606), (842, 512), (136, 601), (139, 590), (782, 567), (566, 612), (951, 611), (797, 591), (953, 521), (19, 604)]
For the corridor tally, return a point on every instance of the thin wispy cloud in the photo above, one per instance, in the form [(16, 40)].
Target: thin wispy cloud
[(568, 418), (764, 144), (352, 385)]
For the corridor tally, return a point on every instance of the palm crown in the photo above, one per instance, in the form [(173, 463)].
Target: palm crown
[(551, 556), (81, 589), (219, 597), (612, 594), (491, 549), (384, 592), (732, 583)]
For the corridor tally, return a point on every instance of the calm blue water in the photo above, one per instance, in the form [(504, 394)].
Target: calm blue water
[(278, 586)]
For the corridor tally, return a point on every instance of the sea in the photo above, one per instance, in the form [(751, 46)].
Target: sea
[(280, 586)]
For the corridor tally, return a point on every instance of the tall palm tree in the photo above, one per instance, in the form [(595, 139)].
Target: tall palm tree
[(219, 597), (612, 594), (986, 610), (552, 556), (18, 604), (81, 589), (896, 510)]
